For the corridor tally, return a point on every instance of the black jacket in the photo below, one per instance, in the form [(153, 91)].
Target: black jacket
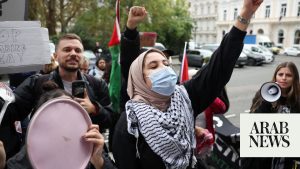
[(27, 94), (202, 90), (21, 161)]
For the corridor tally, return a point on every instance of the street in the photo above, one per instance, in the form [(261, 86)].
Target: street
[(245, 82)]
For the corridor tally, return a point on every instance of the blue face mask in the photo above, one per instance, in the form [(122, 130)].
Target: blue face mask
[(163, 81)]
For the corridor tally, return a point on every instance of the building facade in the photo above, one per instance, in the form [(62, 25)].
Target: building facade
[(204, 14), (277, 19)]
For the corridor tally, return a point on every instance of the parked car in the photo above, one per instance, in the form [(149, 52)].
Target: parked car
[(291, 51), (91, 57), (242, 60), (206, 54), (269, 56), (194, 57), (212, 47), (254, 57)]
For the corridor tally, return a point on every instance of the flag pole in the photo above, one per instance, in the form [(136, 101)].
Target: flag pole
[(184, 66)]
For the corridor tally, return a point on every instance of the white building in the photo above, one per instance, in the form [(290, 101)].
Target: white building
[(278, 19), (204, 15)]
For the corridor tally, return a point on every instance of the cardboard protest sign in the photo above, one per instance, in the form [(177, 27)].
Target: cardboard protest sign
[(24, 47)]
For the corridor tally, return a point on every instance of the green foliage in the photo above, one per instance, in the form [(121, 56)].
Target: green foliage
[(169, 18), (95, 25), (52, 13)]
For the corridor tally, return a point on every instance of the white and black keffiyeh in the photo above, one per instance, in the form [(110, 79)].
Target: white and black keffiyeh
[(169, 134)]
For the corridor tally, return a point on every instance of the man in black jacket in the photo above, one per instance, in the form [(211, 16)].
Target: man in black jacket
[(69, 54)]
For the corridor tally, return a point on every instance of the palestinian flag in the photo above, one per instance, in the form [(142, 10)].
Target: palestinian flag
[(184, 71), (115, 75)]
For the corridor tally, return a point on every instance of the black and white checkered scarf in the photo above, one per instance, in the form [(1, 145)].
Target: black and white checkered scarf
[(169, 134)]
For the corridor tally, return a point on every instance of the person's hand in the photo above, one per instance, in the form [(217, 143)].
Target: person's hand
[(204, 142), (96, 138), (199, 131), (2, 155), (86, 103), (136, 15), (249, 8)]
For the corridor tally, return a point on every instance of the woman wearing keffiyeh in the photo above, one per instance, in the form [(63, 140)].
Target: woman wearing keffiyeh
[(156, 131)]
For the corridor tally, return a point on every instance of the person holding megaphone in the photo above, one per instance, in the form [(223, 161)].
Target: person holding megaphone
[(281, 95)]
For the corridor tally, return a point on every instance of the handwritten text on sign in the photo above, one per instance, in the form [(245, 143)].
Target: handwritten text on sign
[(11, 50)]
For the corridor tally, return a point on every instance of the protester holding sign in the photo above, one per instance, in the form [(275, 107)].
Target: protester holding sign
[(69, 55), (99, 158)]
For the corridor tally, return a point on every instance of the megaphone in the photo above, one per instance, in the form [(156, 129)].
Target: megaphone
[(270, 91)]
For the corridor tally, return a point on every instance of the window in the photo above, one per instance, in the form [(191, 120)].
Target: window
[(297, 37), (280, 36), (260, 31), (298, 14), (254, 49), (235, 13), (283, 10), (268, 10), (193, 52), (208, 9), (224, 15)]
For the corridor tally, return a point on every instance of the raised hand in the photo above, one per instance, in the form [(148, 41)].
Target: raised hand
[(136, 15), (249, 8)]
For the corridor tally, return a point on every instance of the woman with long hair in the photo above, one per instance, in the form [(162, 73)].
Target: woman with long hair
[(286, 75)]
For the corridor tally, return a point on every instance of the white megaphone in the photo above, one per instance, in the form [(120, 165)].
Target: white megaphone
[(270, 91)]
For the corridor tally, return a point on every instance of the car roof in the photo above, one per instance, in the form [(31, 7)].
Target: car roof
[(89, 54)]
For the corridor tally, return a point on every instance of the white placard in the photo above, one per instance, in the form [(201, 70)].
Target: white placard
[(269, 135), (23, 48), (20, 24)]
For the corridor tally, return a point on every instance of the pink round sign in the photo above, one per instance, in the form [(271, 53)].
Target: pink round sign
[(54, 136)]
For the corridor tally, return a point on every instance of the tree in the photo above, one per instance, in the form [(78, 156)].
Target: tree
[(169, 18), (52, 13), (95, 25), (172, 22)]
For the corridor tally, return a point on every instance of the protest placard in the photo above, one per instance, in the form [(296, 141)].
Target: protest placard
[(24, 47)]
